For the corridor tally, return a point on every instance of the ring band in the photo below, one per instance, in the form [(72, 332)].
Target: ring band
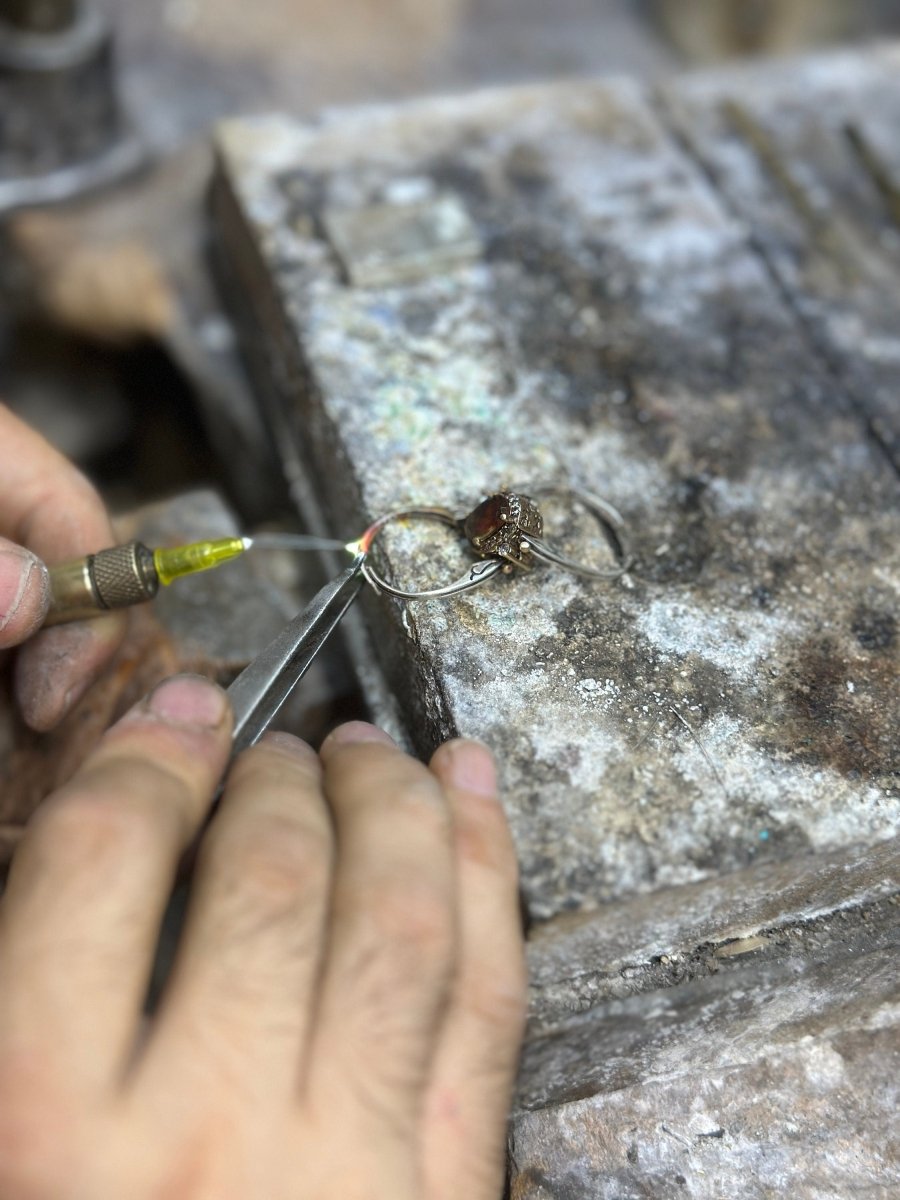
[(610, 521), (479, 573)]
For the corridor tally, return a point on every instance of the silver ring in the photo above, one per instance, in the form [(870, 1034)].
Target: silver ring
[(610, 521), (479, 573), (506, 557)]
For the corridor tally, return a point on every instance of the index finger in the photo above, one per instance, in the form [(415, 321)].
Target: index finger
[(47, 505), (89, 882)]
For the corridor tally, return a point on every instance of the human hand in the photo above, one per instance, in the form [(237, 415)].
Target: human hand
[(343, 1018), (49, 507)]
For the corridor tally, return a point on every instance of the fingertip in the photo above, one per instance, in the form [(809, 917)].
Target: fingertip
[(354, 732), (56, 668), (24, 593), (190, 701), (287, 743), (185, 721), (466, 765)]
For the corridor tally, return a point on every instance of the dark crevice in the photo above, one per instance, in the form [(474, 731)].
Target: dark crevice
[(872, 923), (820, 347), (777, 957), (875, 169)]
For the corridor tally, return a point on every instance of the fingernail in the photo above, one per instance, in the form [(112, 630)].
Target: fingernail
[(470, 767), (357, 731), (288, 744), (17, 568), (189, 700)]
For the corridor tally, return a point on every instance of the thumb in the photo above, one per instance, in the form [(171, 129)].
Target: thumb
[(24, 593)]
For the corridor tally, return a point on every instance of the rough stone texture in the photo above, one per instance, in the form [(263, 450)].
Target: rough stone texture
[(818, 186), (720, 1040), (729, 702), (810, 1115), (670, 939), (700, 761)]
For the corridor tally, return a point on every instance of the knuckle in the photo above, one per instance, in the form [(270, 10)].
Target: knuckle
[(483, 837), (419, 791), (498, 1000), (370, 772), (266, 766), (400, 968), (81, 828), (278, 862), (415, 805), (374, 1093), (415, 916), (33, 1141), (155, 756)]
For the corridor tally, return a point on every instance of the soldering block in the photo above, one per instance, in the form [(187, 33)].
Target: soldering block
[(686, 301), (732, 700)]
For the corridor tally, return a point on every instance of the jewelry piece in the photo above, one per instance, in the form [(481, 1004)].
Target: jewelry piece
[(506, 529), (501, 526), (478, 573)]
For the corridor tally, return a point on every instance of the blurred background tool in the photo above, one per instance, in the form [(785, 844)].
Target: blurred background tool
[(62, 130)]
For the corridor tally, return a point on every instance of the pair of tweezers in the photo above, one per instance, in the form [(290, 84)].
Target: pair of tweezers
[(260, 690)]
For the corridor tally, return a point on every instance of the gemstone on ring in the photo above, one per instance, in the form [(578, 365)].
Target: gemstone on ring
[(498, 527)]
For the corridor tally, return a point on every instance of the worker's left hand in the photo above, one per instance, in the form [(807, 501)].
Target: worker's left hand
[(344, 1016), (48, 513)]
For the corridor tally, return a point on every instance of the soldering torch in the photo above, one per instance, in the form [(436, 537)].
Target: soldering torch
[(125, 575), (131, 574)]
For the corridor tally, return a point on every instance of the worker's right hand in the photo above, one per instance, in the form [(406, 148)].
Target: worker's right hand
[(343, 1018), (48, 512)]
